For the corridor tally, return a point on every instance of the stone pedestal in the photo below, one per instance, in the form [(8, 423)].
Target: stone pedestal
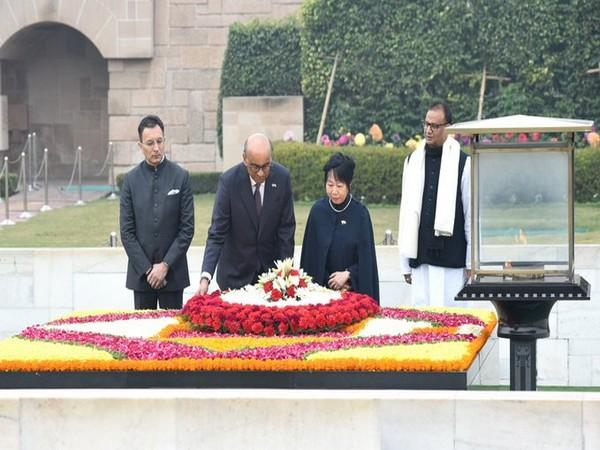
[(273, 116)]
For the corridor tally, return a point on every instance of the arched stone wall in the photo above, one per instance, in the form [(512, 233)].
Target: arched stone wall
[(118, 28), (56, 84), (163, 57)]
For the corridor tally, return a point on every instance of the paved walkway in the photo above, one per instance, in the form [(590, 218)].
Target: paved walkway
[(58, 197)]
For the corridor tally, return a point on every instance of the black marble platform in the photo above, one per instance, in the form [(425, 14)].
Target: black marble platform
[(238, 380)]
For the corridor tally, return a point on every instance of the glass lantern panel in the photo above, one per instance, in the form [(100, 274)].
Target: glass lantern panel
[(523, 210)]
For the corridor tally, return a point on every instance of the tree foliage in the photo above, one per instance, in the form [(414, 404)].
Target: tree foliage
[(398, 55)]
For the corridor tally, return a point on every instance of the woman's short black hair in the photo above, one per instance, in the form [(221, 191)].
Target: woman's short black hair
[(342, 167)]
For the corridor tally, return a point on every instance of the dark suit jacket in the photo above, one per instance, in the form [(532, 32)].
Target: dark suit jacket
[(157, 223), (243, 244)]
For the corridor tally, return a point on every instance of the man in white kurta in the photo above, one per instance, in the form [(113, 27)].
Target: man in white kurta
[(435, 214)]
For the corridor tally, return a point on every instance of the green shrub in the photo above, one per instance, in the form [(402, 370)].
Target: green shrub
[(378, 174), (200, 182), (377, 178), (262, 58), (204, 182), (587, 181), (12, 184)]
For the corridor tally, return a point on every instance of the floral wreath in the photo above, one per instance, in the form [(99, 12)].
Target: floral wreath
[(283, 281)]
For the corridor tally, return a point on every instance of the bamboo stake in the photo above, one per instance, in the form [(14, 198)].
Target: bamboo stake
[(327, 97), (482, 93)]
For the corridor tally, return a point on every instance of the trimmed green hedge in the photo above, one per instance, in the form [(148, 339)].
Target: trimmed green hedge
[(200, 182), (12, 184), (378, 174), (262, 58), (377, 177)]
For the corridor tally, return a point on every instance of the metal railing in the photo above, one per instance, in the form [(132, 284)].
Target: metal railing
[(33, 175)]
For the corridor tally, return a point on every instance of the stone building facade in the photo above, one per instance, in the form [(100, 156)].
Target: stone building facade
[(83, 73)]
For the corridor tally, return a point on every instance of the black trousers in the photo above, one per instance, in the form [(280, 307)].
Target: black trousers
[(150, 299)]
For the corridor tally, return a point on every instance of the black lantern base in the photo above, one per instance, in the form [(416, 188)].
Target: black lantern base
[(523, 309), (523, 365)]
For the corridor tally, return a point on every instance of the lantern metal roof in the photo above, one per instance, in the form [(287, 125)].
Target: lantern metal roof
[(520, 123)]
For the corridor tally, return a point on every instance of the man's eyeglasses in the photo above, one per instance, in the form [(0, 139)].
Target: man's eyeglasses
[(433, 126), (151, 144), (256, 168)]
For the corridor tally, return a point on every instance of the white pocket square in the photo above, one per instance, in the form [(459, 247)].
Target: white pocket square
[(173, 192)]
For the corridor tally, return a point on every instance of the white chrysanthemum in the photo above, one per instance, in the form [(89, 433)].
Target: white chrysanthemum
[(251, 295), (280, 284), (385, 326), (470, 328), (139, 328), (266, 277), (285, 266)]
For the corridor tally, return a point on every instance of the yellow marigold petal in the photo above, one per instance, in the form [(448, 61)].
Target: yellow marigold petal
[(441, 351), (237, 343), (16, 349)]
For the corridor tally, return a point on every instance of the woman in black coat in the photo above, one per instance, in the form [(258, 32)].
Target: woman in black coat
[(338, 249)]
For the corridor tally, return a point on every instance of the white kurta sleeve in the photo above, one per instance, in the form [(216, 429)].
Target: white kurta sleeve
[(404, 266), (465, 187)]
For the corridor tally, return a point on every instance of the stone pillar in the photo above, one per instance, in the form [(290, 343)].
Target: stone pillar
[(3, 123)]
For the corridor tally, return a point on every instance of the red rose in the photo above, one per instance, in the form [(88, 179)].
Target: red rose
[(257, 328), (302, 283), (247, 324), (294, 272), (321, 321), (235, 327), (268, 286), (276, 295), (291, 291), (279, 317), (269, 331), (283, 328), (303, 323)]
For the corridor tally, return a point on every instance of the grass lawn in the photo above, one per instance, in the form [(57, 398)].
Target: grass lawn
[(90, 225)]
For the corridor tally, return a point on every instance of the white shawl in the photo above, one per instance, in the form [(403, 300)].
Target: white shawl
[(413, 179)]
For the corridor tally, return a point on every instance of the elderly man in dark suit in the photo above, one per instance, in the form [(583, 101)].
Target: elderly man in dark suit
[(157, 223), (253, 221)]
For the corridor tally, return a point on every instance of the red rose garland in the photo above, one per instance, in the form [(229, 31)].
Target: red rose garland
[(210, 313)]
